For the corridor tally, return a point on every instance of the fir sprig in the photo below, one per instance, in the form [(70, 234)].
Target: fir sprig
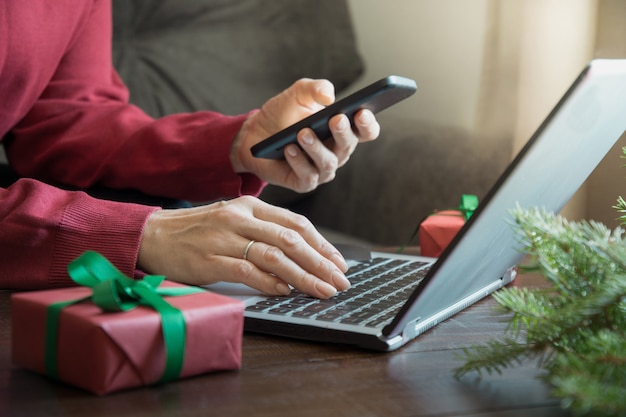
[(577, 326)]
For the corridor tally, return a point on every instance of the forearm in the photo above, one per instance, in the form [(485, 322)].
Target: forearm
[(116, 145), (43, 228)]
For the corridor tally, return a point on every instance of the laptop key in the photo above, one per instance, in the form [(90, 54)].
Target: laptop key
[(379, 321), (256, 307), (280, 310), (291, 306), (269, 303), (304, 313), (330, 316), (361, 315), (301, 301), (353, 320), (316, 308)]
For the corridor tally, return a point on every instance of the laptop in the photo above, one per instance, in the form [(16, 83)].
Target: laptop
[(417, 292)]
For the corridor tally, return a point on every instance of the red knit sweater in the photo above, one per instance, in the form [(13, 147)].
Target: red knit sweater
[(65, 118)]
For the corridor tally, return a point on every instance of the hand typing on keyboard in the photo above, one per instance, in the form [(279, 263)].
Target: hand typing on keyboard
[(242, 240)]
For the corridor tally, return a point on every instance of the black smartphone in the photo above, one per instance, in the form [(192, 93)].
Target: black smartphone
[(375, 97)]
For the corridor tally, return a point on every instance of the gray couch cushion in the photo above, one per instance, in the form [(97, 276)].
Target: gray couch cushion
[(228, 55)]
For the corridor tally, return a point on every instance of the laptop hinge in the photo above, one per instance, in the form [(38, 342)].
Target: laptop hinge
[(410, 330)]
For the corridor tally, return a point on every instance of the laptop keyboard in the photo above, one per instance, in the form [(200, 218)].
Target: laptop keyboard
[(380, 287)]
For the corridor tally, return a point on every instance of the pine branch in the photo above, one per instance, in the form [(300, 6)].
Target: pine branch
[(495, 356), (578, 325)]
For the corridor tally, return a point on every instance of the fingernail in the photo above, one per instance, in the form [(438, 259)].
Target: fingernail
[(343, 124), (307, 137), (365, 117), (326, 89), (340, 281), (326, 289), (292, 150), (283, 288)]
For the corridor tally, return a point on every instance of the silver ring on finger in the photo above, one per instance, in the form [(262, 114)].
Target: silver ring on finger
[(247, 249)]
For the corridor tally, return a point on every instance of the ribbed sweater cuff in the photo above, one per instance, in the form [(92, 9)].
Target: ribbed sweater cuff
[(113, 229)]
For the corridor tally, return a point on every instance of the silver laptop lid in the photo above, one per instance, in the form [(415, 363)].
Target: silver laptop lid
[(566, 148)]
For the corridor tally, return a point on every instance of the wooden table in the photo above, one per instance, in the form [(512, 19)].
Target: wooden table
[(294, 378)]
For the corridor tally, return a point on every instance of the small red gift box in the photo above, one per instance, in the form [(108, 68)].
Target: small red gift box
[(104, 352), (438, 230)]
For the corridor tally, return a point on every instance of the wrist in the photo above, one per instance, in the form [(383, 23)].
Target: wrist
[(235, 152), (146, 243), (240, 150)]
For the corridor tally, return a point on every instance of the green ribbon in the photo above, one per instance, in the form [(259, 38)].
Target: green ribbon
[(469, 204), (113, 291)]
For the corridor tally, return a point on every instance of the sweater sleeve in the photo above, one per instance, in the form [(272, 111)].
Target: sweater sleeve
[(81, 131), (43, 228)]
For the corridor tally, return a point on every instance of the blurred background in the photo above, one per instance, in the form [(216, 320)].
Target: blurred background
[(496, 68)]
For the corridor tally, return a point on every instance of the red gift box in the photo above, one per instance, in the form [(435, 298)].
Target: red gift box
[(104, 352), (438, 230)]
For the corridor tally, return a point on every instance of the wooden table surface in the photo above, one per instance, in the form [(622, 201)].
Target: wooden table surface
[(294, 378)]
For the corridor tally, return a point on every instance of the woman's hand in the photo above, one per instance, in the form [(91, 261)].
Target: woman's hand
[(206, 244), (314, 162)]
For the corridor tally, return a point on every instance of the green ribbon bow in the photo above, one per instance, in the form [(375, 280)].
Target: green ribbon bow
[(469, 204), (113, 291)]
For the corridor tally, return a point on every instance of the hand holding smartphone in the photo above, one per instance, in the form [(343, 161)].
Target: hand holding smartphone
[(375, 97)]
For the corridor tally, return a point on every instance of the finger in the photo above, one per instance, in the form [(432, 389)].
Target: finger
[(275, 262), (345, 139), (302, 175), (308, 91), (300, 266), (277, 226), (312, 254), (295, 250), (367, 126), (230, 269), (323, 162), (284, 221)]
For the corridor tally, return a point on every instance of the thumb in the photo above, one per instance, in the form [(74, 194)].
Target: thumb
[(315, 91)]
